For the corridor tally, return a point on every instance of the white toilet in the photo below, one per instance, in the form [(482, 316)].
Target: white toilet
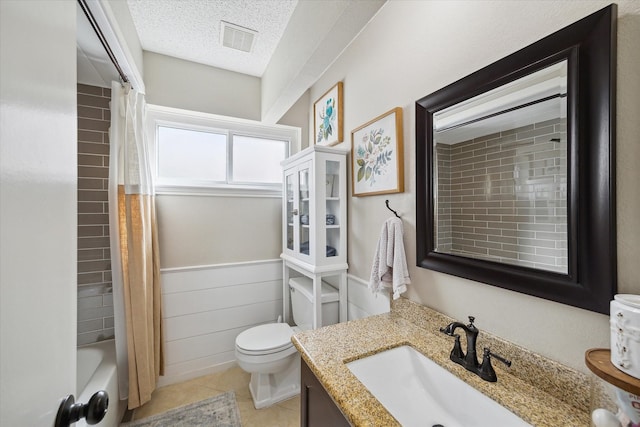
[(266, 351)]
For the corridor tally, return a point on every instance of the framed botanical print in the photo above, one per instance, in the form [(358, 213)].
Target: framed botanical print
[(327, 117), (377, 156)]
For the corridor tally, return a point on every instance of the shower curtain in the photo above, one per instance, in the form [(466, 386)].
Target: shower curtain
[(134, 249)]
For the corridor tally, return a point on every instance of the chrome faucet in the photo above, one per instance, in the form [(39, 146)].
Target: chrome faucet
[(469, 359)]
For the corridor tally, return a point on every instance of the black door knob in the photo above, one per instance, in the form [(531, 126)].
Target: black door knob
[(94, 411)]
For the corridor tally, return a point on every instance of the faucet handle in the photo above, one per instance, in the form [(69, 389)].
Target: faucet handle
[(486, 370), (500, 358), (456, 352), (471, 320)]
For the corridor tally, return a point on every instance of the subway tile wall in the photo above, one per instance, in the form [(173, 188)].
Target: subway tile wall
[(95, 298), (503, 196)]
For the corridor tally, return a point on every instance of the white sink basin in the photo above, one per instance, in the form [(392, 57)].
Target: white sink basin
[(419, 392)]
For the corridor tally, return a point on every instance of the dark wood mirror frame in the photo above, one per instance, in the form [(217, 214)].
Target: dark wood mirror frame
[(589, 45)]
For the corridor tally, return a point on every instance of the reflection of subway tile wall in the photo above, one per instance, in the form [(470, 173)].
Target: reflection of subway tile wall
[(95, 301), (504, 196), (443, 212)]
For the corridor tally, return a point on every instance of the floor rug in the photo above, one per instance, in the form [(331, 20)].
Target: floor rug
[(218, 411)]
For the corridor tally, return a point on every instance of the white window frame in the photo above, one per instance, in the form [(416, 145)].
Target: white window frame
[(230, 126)]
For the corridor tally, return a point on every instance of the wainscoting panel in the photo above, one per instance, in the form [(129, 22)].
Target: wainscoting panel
[(361, 302), (184, 303), (190, 369), (206, 307), (207, 322), (213, 276), (201, 346)]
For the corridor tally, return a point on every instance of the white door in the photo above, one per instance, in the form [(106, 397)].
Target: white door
[(37, 209)]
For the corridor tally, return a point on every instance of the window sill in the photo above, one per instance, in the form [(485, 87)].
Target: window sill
[(219, 191)]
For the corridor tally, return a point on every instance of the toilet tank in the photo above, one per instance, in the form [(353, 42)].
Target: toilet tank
[(302, 302)]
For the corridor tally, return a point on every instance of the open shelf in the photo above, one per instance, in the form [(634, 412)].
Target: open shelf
[(599, 361)]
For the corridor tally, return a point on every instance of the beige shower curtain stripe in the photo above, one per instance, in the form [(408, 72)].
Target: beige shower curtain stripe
[(142, 297)]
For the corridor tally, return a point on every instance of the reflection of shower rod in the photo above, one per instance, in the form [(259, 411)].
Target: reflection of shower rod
[(508, 110)]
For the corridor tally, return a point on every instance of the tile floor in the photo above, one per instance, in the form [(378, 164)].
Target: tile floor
[(283, 414)]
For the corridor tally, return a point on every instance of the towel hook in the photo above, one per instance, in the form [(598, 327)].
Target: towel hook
[(386, 202)]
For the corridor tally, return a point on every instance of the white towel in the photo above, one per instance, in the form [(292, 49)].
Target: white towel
[(389, 269)]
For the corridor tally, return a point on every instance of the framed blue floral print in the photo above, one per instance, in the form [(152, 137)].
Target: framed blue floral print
[(327, 117), (377, 157)]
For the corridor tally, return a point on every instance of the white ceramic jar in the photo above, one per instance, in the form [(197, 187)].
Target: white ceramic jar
[(625, 333)]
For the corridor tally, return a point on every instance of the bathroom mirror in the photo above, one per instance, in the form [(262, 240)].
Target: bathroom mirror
[(515, 169)]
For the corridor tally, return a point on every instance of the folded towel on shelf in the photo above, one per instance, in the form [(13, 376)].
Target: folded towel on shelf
[(330, 251), (389, 269)]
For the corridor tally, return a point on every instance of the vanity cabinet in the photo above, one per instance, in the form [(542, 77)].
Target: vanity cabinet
[(314, 222), (317, 409)]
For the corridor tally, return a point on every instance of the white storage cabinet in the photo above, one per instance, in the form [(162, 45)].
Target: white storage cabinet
[(315, 222)]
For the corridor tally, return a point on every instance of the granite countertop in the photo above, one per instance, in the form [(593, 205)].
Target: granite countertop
[(541, 392)]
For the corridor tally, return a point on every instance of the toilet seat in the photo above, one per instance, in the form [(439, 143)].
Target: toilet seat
[(265, 339)]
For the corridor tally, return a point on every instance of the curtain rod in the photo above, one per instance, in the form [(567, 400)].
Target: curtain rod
[(508, 110), (103, 40)]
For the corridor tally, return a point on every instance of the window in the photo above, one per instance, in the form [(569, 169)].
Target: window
[(197, 152), (257, 159), (185, 154)]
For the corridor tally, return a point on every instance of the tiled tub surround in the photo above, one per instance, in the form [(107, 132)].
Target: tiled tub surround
[(95, 301), (95, 313), (540, 391), (504, 197)]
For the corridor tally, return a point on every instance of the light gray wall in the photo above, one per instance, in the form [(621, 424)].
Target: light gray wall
[(173, 82), (413, 48), (206, 230), (298, 116)]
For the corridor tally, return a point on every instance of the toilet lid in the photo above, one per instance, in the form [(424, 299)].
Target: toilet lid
[(269, 337)]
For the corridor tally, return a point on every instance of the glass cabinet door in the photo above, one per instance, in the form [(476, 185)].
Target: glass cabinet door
[(332, 200), (304, 189), (314, 209), (290, 210)]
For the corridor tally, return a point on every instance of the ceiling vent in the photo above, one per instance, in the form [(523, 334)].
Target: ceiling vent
[(237, 37)]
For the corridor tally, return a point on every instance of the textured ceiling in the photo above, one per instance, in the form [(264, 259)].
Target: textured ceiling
[(190, 29)]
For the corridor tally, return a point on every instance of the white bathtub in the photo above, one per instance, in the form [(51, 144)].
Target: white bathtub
[(97, 371)]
